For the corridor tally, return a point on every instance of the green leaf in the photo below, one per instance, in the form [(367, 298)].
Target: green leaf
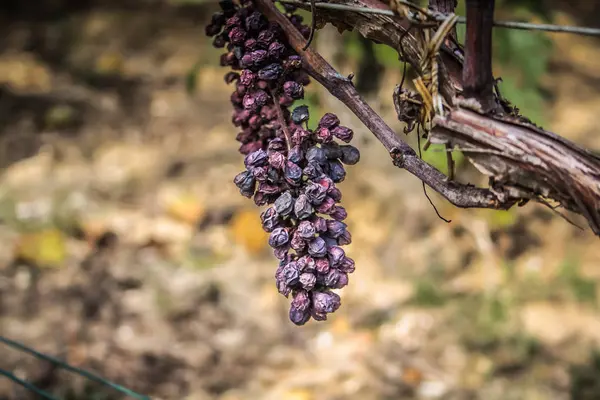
[(191, 78)]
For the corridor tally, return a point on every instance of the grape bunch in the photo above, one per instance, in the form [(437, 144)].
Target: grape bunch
[(289, 167)]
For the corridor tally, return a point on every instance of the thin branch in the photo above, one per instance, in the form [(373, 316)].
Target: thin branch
[(577, 30), (403, 155)]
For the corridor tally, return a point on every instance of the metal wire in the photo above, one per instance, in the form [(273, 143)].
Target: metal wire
[(585, 31), (27, 385), (63, 365)]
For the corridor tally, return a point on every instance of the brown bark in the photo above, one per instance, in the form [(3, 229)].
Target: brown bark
[(443, 6), (478, 82)]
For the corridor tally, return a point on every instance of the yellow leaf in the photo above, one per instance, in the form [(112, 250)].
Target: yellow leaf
[(109, 63), (44, 249), (502, 219), (297, 394), (340, 325), (247, 230), (186, 208)]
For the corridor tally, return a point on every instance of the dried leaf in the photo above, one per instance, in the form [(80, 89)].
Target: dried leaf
[(44, 249)]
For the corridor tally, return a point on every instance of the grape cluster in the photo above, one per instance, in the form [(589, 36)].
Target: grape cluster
[(270, 73), (289, 167)]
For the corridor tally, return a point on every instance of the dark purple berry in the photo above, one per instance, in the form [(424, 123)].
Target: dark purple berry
[(212, 30), (326, 302), (246, 60), (227, 6), (327, 206), (277, 160), (343, 133), (279, 237), (335, 279), (306, 264), (247, 78), (299, 135), (320, 224), (293, 90), (220, 41), (258, 158), (269, 113), (265, 38), (345, 238), (306, 230), (281, 253), (260, 174), (250, 44), (231, 77), (313, 171), (255, 21), (276, 144), (271, 72), (317, 247), (246, 183), (297, 243), (315, 193), (323, 135), (285, 101), (249, 102), (339, 213), (329, 121), (300, 114), (350, 155), (218, 18), (300, 314), (269, 219), (276, 51), (293, 62), (335, 228), (255, 122), (335, 194), (322, 265), (336, 255), (240, 89), (237, 35), (347, 265), (258, 57), (336, 171), (291, 274), (295, 155), (268, 188), (233, 22), (292, 173), (302, 207), (317, 155), (284, 204), (248, 148), (308, 281), (261, 97)]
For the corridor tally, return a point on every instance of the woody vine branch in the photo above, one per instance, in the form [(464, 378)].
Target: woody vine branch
[(524, 162)]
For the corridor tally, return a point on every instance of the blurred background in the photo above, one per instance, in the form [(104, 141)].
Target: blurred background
[(126, 249)]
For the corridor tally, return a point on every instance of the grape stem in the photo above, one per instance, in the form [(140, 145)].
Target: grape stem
[(281, 120)]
